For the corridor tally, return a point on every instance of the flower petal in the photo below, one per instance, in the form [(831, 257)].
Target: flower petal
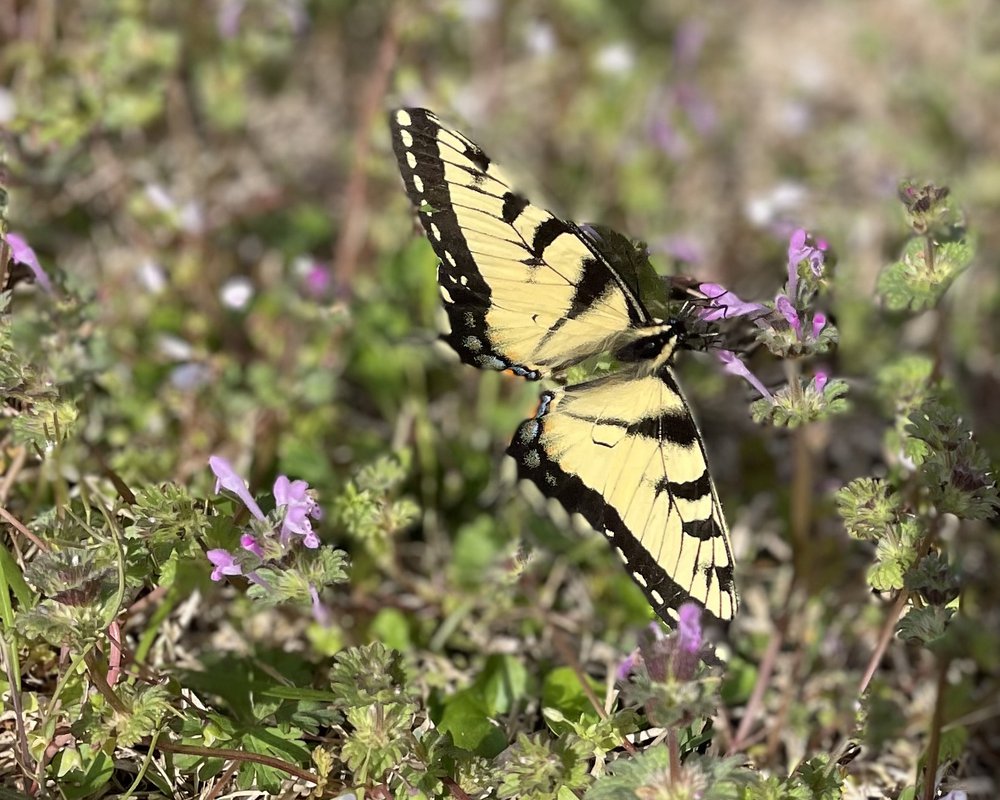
[(227, 478), (22, 253), (732, 364)]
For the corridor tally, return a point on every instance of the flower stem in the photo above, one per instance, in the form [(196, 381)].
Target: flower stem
[(934, 744), (674, 748)]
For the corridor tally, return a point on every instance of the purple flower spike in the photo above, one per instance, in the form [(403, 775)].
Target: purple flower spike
[(723, 304), (787, 310), (733, 365), (819, 382), (227, 478), (224, 562), (689, 627), (22, 253), (299, 507), (819, 322), (689, 641)]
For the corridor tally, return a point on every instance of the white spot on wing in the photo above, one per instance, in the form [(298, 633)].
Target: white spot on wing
[(411, 160), (639, 579), (435, 231), (403, 118), (446, 295), (418, 184), (657, 596), (451, 260), (621, 555), (406, 138)]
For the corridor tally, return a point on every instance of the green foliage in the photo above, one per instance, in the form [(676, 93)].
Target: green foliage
[(183, 173), (536, 769), (366, 507), (793, 407)]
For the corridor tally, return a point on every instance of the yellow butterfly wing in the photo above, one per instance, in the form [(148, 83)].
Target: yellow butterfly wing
[(523, 289), (624, 453)]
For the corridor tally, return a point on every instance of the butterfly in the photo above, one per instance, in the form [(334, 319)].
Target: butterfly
[(527, 292)]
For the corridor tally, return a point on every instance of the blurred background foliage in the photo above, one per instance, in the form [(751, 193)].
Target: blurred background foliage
[(210, 187)]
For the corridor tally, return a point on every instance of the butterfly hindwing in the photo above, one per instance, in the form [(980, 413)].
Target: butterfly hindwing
[(624, 453), (523, 289)]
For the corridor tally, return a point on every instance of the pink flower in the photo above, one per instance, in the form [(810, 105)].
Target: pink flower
[(723, 304), (224, 562), (299, 507), (787, 310), (819, 322), (22, 253), (732, 364), (819, 381), (227, 478), (248, 542)]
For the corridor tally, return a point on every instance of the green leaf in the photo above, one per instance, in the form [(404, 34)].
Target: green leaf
[(503, 682), (392, 627), (467, 718), (563, 691)]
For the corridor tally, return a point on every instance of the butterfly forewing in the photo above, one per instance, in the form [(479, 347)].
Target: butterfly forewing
[(523, 290)]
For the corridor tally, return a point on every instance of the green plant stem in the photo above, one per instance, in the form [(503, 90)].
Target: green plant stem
[(238, 755), (96, 673), (885, 636), (764, 673), (674, 749), (934, 743)]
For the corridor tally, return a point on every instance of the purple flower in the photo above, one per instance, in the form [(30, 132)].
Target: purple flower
[(226, 478), (320, 612), (318, 279), (819, 381), (299, 507), (799, 251), (787, 310), (723, 304), (224, 562), (733, 365), (22, 253), (248, 542), (819, 322), (689, 641), (689, 627), (629, 663)]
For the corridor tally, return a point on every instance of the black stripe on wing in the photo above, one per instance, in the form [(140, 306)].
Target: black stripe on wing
[(662, 590)]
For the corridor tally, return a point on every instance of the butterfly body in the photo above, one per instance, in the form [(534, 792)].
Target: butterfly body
[(528, 292)]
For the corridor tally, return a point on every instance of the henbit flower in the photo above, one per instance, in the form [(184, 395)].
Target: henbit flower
[(688, 642), (723, 304), (320, 612), (22, 253), (787, 310), (248, 542), (819, 381), (224, 562), (627, 664), (799, 251), (735, 366), (318, 279), (819, 322), (299, 507), (689, 627), (227, 478)]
